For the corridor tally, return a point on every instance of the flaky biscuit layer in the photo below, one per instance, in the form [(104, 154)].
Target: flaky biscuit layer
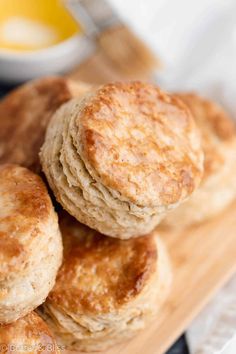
[(107, 289), (218, 187), (168, 172), (30, 240)]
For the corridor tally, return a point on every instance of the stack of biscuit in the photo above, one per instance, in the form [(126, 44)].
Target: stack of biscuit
[(119, 160)]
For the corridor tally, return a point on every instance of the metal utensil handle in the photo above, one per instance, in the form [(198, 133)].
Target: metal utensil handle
[(95, 16)]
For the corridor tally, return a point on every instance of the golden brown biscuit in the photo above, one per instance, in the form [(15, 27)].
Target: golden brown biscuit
[(218, 186), (119, 158), (28, 335), (107, 289), (30, 242), (24, 116)]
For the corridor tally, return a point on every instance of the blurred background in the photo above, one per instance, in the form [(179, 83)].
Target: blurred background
[(194, 43), (180, 45)]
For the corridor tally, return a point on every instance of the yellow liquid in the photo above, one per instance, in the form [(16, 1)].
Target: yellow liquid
[(27, 25)]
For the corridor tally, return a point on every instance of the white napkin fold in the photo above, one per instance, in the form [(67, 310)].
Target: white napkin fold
[(213, 330)]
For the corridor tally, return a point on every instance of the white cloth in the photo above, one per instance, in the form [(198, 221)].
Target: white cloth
[(196, 41), (214, 330)]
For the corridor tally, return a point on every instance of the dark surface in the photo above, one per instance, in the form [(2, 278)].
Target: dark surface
[(180, 347), (4, 89)]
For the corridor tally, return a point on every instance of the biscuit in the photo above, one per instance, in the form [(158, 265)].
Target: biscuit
[(218, 187), (107, 289), (24, 116), (30, 242), (121, 156), (29, 334)]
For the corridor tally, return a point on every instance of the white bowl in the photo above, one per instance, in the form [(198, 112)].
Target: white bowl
[(16, 67)]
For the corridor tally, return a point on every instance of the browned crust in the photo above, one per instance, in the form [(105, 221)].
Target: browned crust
[(29, 331), (100, 274), (216, 127), (24, 116), (139, 141), (25, 204)]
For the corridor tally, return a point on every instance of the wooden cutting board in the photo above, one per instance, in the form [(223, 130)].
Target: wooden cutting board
[(203, 258)]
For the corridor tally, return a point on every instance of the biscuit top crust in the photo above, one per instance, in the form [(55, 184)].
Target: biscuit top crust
[(25, 207), (25, 114), (140, 142), (218, 130), (99, 274), (29, 334)]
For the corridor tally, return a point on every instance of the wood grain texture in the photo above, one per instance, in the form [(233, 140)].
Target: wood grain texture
[(203, 259), (97, 69)]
